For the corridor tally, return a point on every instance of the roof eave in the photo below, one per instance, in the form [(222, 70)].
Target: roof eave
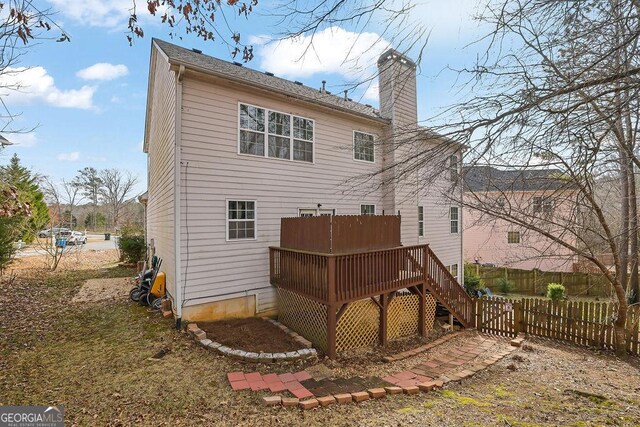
[(187, 65)]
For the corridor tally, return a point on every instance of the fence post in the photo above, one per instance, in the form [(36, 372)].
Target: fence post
[(517, 317), (478, 314)]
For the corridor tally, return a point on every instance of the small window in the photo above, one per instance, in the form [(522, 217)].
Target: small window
[(363, 146), (513, 237), (420, 221), (453, 168), (454, 219), (241, 219), (501, 202), (453, 269), (367, 209), (542, 205)]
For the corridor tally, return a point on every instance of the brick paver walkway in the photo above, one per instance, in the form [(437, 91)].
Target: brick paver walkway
[(453, 364)]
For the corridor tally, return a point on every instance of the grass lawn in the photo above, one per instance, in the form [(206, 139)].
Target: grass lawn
[(93, 359)]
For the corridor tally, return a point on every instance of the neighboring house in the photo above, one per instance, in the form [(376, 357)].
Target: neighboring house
[(233, 150), (535, 195)]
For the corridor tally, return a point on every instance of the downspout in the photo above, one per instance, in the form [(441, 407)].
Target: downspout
[(176, 198)]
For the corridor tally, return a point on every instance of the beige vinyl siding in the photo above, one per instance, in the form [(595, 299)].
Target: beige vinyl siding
[(213, 172), (161, 150)]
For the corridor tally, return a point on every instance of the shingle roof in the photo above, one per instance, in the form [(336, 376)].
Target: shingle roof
[(488, 178), (218, 67)]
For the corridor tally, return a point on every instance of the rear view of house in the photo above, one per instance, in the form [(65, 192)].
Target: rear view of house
[(232, 151)]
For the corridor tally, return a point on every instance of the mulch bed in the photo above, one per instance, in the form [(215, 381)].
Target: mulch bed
[(251, 334)]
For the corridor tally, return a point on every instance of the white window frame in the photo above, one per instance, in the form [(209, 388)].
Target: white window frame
[(353, 146), (255, 219), (519, 237), (420, 221), (367, 204), (454, 170), (457, 220), (453, 267), (266, 135), (316, 211)]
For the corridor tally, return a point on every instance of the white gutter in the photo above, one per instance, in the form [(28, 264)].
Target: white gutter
[(176, 198)]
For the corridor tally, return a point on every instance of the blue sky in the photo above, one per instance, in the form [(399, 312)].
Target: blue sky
[(93, 115)]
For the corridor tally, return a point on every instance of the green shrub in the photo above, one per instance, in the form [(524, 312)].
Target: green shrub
[(555, 291), (473, 283), (131, 244), (505, 286)]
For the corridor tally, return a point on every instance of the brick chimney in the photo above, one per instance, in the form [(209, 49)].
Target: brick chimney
[(397, 89)]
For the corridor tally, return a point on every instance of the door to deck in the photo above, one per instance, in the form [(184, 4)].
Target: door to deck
[(316, 212)]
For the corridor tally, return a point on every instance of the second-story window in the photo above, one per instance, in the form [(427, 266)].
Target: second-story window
[(420, 221), (252, 130), (454, 219), (287, 136), (542, 205), (363, 146)]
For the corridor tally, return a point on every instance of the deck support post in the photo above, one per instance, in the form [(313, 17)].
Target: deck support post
[(422, 309), (332, 316), (385, 299)]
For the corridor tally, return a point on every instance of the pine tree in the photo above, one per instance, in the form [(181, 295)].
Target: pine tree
[(20, 178)]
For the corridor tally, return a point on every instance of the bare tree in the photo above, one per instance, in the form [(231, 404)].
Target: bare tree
[(89, 181), (72, 196), (116, 187)]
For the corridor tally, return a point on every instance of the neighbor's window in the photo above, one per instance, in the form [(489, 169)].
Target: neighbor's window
[(420, 221), (453, 168), (252, 130), (453, 269), (241, 219), (363, 146), (288, 137), (454, 219), (542, 205), (513, 237), (367, 209)]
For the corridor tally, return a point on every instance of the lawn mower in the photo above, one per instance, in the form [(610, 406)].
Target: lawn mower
[(150, 285)]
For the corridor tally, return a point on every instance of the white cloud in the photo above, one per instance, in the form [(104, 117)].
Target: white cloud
[(69, 157), (103, 71), (27, 85), (22, 139), (334, 50), (96, 13)]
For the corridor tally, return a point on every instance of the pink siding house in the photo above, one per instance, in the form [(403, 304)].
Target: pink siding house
[(491, 240), (232, 150)]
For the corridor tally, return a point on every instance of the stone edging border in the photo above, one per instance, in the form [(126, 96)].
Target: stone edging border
[(249, 356), (422, 348)]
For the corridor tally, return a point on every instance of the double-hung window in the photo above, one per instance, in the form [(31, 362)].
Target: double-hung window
[(420, 221), (513, 237), (363, 147), (286, 136), (241, 219), (367, 209), (453, 269), (453, 168), (454, 219)]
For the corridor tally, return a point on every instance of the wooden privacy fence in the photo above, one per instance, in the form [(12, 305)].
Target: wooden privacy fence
[(578, 322), (534, 282)]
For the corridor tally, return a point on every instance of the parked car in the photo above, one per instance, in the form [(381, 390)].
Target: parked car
[(76, 238), (52, 232)]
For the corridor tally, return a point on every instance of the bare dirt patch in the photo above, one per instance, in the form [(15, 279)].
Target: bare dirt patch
[(96, 290), (251, 334)]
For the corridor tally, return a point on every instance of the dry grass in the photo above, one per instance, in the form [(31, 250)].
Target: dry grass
[(93, 359)]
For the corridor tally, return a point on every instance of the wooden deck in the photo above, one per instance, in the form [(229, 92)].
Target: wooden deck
[(336, 280)]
